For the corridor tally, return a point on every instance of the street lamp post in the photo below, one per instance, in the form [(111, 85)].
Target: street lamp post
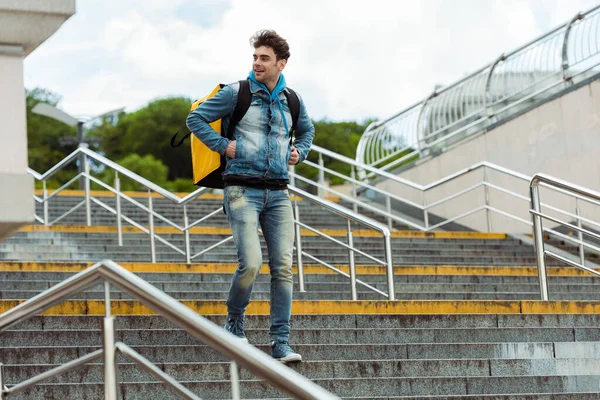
[(52, 112)]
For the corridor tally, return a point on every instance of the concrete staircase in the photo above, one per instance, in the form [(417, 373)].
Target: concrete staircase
[(466, 325), (72, 241), (211, 281), (88, 244), (356, 356)]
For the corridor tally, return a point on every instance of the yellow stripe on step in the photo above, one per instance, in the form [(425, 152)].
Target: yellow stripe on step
[(106, 193), (449, 235), (222, 268), (315, 307), (208, 230), (198, 230)]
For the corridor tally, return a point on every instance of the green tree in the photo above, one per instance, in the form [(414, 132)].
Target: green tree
[(181, 185), (146, 166), (43, 135), (339, 137), (148, 131)]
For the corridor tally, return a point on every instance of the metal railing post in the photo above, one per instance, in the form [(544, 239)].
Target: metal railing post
[(486, 193), (299, 247), (110, 350), (538, 236), (351, 263), (580, 233), (2, 385), (354, 195), (151, 228), (565, 47), (187, 235), (45, 206), (425, 212), (88, 201), (293, 175), (422, 145), (321, 191), (118, 207), (388, 208), (487, 97), (235, 381), (389, 267)]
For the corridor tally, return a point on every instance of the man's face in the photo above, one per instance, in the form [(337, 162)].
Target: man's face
[(265, 66)]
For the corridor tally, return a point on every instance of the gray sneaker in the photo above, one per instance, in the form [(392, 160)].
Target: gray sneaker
[(282, 351), (235, 326)]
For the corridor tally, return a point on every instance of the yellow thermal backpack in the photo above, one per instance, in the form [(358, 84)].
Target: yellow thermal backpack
[(208, 165)]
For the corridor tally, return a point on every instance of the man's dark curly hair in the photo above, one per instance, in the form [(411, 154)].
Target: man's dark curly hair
[(270, 38)]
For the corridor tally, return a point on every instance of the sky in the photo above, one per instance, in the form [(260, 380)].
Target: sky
[(350, 59)]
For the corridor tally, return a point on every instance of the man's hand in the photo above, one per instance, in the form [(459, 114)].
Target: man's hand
[(230, 151), (295, 157)]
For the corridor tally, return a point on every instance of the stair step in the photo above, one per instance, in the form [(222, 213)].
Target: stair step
[(310, 336), (344, 387), (49, 354)]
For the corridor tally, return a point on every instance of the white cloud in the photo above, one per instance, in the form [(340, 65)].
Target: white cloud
[(350, 59)]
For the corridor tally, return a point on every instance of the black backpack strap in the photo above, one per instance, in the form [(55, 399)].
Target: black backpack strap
[(181, 141), (243, 104), (294, 105)]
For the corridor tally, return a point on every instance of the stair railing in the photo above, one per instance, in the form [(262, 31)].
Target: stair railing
[(350, 217), (514, 81), (426, 206), (240, 354), (579, 193), (301, 227)]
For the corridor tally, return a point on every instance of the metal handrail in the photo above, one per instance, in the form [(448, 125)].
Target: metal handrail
[(349, 216), (366, 167), (485, 184), (471, 75), (240, 353), (121, 170), (486, 117), (476, 95), (342, 211), (387, 214), (411, 184), (579, 192), (425, 206)]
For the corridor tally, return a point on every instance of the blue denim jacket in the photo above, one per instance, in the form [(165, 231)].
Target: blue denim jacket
[(262, 143)]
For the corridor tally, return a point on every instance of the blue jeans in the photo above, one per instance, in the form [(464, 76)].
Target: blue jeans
[(247, 208)]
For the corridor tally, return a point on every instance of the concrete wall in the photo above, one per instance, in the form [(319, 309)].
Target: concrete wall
[(16, 186), (29, 23), (24, 25), (560, 138)]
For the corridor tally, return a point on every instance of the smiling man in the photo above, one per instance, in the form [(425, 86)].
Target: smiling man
[(256, 178)]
